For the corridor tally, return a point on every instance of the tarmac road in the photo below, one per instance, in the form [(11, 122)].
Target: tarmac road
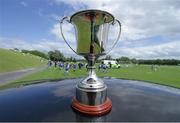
[(10, 76)]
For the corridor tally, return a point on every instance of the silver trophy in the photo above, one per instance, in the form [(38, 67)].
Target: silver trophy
[(92, 28)]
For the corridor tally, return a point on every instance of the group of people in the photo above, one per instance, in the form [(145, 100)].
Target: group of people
[(65, 65), (102, 67), (74, 66)]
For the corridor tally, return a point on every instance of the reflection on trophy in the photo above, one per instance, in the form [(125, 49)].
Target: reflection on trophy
[(92, 27)]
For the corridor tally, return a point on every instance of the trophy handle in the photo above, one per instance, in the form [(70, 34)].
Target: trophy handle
[(119, 23), (61, 23)]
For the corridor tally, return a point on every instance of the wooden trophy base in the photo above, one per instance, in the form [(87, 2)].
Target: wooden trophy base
[(97, 110)]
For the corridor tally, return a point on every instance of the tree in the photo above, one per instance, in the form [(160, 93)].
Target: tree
[(124, 59), (134, 61), (108, 57), (36, 53), (71, 59), (160, 61), (16, 49), (25, 51), (56, 56), (74, 60)]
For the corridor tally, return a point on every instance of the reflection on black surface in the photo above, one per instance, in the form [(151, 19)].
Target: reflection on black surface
[(132, 101), (84, 118)]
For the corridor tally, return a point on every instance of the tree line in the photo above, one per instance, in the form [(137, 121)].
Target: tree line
[(36, 53), (149, 61), (56, 55)]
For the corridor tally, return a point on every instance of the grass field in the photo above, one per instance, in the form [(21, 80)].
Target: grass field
[(12, 60), (165, 75)]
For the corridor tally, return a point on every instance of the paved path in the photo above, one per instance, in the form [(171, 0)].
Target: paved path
[(9, 76)]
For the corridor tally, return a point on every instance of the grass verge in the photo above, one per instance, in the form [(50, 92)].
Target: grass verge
[(12, 61)]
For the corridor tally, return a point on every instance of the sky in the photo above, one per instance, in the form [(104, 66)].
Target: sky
[(150, 28)]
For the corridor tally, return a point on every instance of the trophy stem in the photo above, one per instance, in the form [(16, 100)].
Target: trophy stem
[(91, 65), (91, 93)]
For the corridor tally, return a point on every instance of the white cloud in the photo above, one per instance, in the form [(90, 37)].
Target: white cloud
[(43, 45), (54, 17), (166, 50), (68, 31), (40, 12), (23, 3), (140, 20)]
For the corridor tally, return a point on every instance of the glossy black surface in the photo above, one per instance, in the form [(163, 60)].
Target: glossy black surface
[(132, 101)]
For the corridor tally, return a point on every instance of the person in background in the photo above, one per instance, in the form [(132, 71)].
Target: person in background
[(103, 67), (49, 63), (74, 67), (99, 67), (61, 65), (67, 69), (55, 63), (110, 65), (152, 67), (79, 65)]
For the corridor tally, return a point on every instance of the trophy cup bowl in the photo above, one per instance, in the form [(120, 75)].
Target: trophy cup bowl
[(92, 27)]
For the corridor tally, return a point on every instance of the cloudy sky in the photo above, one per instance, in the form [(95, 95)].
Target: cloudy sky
[(150, 28)]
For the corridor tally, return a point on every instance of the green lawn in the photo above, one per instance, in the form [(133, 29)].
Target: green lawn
[(166, 75), (11, 61), (53, 73)]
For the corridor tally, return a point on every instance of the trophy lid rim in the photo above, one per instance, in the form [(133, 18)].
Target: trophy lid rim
[(91, 10)]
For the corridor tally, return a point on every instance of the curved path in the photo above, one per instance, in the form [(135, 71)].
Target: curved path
[(10, 76)]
